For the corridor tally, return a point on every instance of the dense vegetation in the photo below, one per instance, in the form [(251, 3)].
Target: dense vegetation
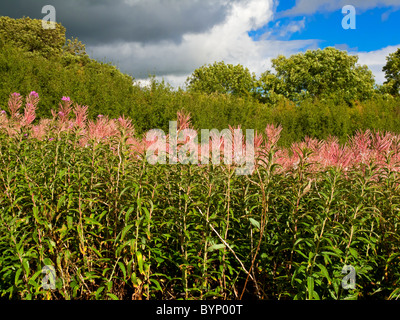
[(30, 59), (302, 95), (78, 194)]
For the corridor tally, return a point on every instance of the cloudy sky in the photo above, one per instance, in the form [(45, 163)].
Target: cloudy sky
[(171, 38)]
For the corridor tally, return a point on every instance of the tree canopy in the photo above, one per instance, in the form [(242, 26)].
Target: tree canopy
[(43, 60), (315, 73), (319, 73), (222, 78), (392, 73), (29, 35)]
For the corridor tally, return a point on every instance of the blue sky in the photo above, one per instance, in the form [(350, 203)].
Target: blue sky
[(170, 39), (376, 27), (376, 34)]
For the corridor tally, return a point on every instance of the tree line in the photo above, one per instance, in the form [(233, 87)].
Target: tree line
[(316, 93)]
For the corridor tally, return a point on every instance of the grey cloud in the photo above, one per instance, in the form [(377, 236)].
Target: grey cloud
[(108, 21)]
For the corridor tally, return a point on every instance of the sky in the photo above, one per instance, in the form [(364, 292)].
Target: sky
[(172, 38)]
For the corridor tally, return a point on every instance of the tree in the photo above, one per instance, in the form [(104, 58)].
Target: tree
[(33, 58), (222, 78), (392, 73), (74, 47), (29, 35), (318, 73)]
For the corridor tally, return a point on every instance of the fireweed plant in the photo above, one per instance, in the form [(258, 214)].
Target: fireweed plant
[(79, 195)]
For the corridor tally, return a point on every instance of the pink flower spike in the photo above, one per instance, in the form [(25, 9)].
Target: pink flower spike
[(34, 93), (100, 116), (66, 99), (14, 104)]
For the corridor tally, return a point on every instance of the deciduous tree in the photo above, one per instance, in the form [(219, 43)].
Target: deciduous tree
[(318, 73), (392, 73), (222, 78)]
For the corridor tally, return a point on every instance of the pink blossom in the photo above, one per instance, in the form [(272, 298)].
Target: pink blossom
[(183, 120), (34, 93), (14, 103), (29, 113), (80, 115), (65, 109)]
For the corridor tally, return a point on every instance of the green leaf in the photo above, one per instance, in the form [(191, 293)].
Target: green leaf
[(60, 202), (98, 291), (122, 267), (128, 213), (36, 214), (353, 252), (316, 296), (123, 191), (125, 230), (25, 265), (112, 296), (310, 287), (158, 287), (92, 221), (216, 247), (70, 222), (140, 261), (325, 272), (16, 279), (147, 213), (96, 251), (33, 278), (255, 223)]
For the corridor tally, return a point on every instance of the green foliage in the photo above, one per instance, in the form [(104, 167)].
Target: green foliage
[(155, 106), (119, 229), (29, 35), (113, 228), (318, 73), (219, 95), (75, 48), (35, 58), (101, 86), (392, 73), (222, 78)]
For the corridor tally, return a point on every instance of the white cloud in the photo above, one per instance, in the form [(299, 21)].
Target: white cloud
[(291, 28), (375, 60), (228, 41)]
